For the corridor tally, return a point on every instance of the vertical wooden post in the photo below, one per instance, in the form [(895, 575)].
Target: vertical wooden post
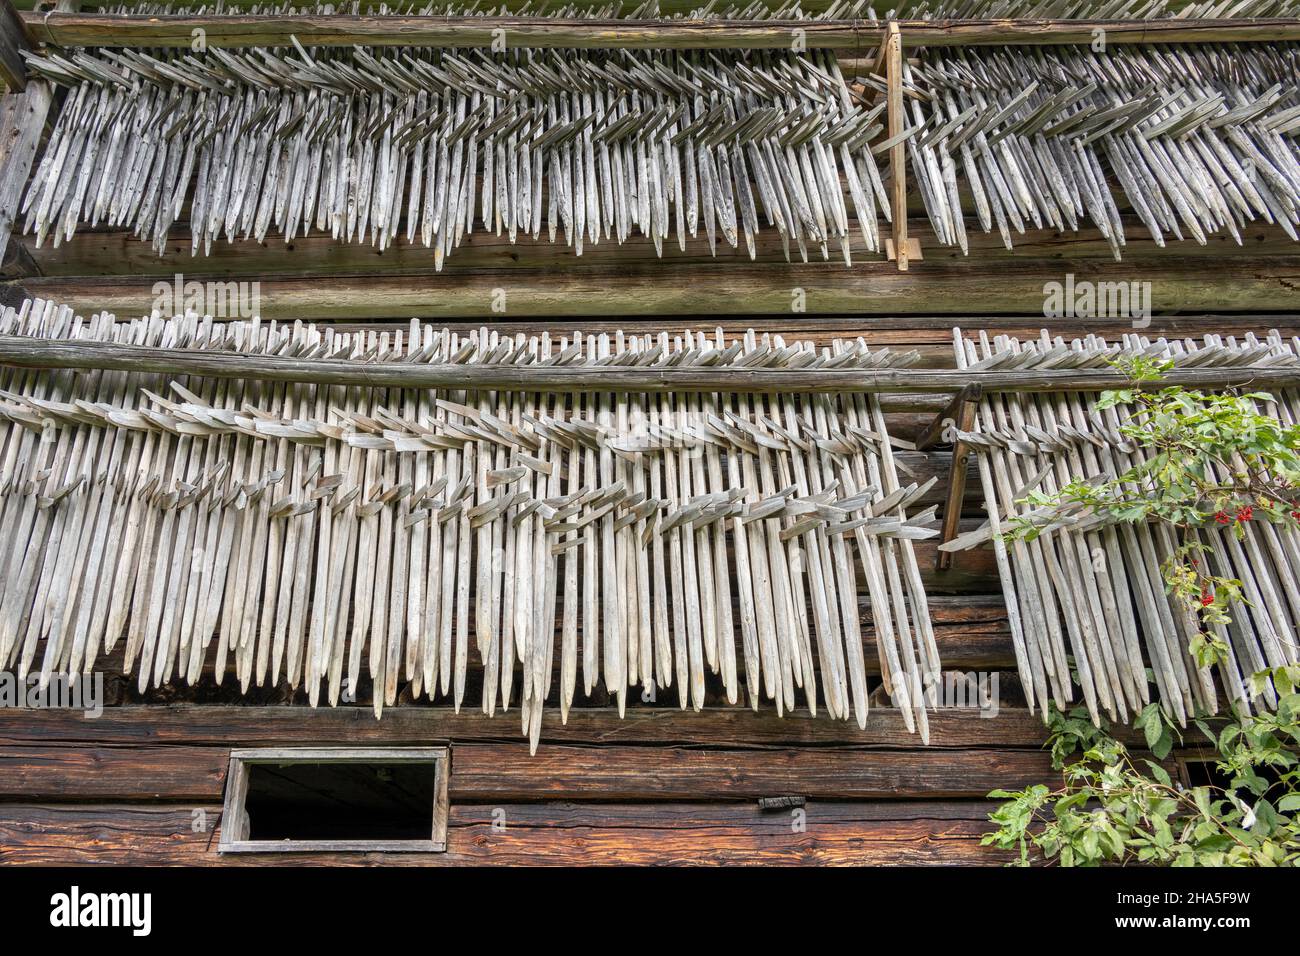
[(893, 50), (963, 421), (13, 39)]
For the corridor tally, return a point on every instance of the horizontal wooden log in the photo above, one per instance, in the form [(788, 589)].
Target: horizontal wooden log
[(188, 725), (920, 332), (961, 287), (506, 771), (27, 352), (275, 30), (115, 252), (558, 834)]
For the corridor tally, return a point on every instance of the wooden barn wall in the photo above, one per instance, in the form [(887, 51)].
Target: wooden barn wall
[(313, 277), (143, 783)]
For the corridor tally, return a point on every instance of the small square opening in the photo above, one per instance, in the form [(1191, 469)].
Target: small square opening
[(317, 800)]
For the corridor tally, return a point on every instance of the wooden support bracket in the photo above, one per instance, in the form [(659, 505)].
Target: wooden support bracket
[(892, 51), (954, 421)]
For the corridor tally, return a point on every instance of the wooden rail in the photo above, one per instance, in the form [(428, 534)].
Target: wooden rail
[(246, 30), (29, 352)]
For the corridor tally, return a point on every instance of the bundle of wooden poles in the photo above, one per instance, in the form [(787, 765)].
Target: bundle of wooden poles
[(288, 530), (1198, 140), (369, 144), (1088, 594)]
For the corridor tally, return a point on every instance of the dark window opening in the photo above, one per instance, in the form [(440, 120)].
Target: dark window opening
[(1206, 773), (336, 800), (358, 801)]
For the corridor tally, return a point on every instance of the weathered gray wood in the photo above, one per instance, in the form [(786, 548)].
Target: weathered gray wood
[(117, 252), (25, 352), (22, 121), (13, 39), (892, 51), (243, 30), (961, 287)]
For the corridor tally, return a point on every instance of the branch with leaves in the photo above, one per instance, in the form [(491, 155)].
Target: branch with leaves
[(1213, 461), (1115, 808)]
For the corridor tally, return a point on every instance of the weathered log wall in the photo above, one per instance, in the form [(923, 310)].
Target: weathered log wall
[(314, 278), (143, 784)]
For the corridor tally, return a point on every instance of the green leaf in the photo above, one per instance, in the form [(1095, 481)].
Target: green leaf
[(1159, 773), (1289, 803)]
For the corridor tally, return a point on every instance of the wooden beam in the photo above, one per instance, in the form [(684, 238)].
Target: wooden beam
[(928, 832), (964, 287), (27, 352), (893, 53), (13, 40), (506, 771), (726, 728), (118, 252), (243, 30)]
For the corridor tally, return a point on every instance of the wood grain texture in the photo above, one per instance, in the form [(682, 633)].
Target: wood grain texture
[(506, 771), (559, 834), (203, 726), (964, 288), (13, 40), (242, 30), (110, 252), (30, 352), (22, 123)]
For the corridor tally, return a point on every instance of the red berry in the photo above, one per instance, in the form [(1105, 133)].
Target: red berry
[(1206, 599), (1221, 517)]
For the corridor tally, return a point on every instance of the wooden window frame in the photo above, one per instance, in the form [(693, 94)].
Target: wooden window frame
[(234, 818)]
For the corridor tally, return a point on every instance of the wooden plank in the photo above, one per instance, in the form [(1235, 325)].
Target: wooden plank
[(893, 53), (22, 121), (960, 287), (22, 118), (28, 352), (560, 834), (500, 772), (111, 252), (195, 726), (272, 30), (964, 422), (113, 773), (13, 40), (506, 771)]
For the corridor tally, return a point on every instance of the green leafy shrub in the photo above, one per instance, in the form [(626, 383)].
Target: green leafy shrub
[(1113, 808), (1212, 461)]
